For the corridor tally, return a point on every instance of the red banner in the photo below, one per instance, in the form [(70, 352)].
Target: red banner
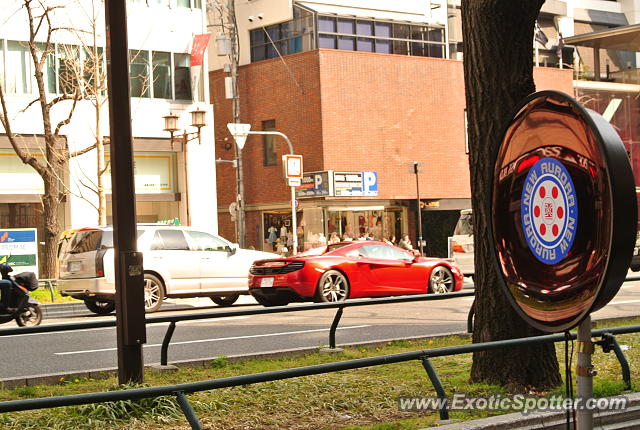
[(200, 42)]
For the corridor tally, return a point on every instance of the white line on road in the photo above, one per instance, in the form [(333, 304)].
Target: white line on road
[(215, 340), (113, 328)]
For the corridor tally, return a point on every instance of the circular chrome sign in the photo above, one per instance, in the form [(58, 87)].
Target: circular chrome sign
[(564, 211)]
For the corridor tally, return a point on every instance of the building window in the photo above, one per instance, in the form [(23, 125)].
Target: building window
[(183, 3), (182, 76), (382, 37), (285, 38), (139, 73), (269, 144), (94, 71), (161, 63), (49, 70), (68, 68), (19, 68)]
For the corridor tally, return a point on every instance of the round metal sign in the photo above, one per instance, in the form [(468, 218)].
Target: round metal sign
[(564, 211)]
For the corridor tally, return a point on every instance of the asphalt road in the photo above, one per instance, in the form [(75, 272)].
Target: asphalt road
[(53, 353)]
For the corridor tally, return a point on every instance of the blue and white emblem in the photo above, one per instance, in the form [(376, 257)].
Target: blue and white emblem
[(549, 210)]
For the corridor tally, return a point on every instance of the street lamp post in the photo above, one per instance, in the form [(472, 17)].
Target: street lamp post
[(416, 168), (240, 133)]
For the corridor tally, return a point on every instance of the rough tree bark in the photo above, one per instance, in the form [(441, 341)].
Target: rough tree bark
[(498, 72)]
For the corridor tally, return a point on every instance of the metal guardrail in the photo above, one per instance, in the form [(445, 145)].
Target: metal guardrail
[(181, 390), (50, 284)]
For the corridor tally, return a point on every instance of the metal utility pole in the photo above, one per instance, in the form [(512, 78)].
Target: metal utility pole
[(584, 373), (419, 210), (235, 58), (130, 320)]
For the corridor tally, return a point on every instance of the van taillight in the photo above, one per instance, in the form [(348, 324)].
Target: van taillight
[(456, 247), (100, 262)]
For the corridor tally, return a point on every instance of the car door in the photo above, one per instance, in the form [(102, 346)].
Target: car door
[(389, 271), (170, 250), (218, 267)]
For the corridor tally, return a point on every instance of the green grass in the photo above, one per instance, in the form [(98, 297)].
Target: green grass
[(356, 399), (43, 295)]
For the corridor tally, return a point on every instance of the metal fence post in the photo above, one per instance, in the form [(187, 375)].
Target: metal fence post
[(188, 411), (164, 351), (334, 327), (435, 380), (609, 343)]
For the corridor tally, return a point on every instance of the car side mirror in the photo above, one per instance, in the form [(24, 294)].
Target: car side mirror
[(233, 248)]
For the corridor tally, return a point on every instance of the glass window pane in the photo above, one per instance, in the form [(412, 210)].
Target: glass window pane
[(401, 31), (364, 28), (365, 45), (419, 49), (4, 86), (68, 68), (419, 32), (383, 29), (435, 50), (269, 144), (383, 46), (257, 36), (183, 3), (49, 66), (197, 4), (347, 43), (94, 71), (400, 47), (182, 72), (171, 239), (271, 51), (346, 26), (17, 75), (258, 53), (161, 62), (326, 41), (326, 24), (274, 33), (435, 35), (139, 73)]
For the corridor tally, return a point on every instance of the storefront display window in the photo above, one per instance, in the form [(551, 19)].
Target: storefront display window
[(277, 232)]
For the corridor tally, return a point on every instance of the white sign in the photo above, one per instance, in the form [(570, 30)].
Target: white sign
[(17, 177), (239, 133), (293, 166)]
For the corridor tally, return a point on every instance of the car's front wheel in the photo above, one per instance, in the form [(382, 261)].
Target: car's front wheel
[(441, 280), (225, 300), (100, 307), (153, 293), (333, 286)]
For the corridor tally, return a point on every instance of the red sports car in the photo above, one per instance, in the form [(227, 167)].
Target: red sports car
[(344, 270)]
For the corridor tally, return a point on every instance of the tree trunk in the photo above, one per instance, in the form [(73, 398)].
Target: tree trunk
[(51, 226), (498, 72)]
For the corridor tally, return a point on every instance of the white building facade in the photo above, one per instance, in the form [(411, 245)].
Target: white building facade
[(175, 180)]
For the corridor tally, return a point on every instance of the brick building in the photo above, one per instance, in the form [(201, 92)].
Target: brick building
[(366, 90)]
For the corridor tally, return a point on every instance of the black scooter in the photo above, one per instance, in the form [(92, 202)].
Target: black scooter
[(28, 312)]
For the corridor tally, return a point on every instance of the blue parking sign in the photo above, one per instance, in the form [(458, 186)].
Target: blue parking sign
[(370, 183)]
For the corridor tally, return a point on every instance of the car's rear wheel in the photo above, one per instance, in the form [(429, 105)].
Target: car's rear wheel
[(100, 307), (441, 280), (225, 300), (153, 293), (333, 286), (268, 302)]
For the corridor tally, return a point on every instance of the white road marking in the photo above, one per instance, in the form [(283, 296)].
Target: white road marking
[(180, 323), (215, 340)]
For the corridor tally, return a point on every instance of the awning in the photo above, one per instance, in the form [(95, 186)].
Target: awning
[(625, 38)]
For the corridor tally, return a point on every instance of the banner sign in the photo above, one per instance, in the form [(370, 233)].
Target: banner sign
[(315, 184), (19, 249), (338, 184), (200, 43)]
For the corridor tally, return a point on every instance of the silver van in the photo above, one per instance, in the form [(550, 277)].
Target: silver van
[(462, 243), (178, 262)]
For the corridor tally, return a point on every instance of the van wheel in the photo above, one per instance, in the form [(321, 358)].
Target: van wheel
[(225, 300), (100, 307), (153, 293)]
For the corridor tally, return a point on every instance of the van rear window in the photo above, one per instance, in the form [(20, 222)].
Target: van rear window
[(90, 240)]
